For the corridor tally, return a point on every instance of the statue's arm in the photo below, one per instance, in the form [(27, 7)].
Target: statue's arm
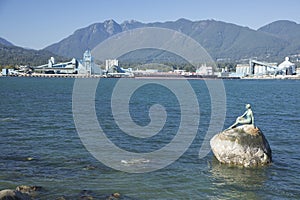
[(244, 114)]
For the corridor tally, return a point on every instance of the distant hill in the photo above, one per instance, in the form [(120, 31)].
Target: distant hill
[(286, 30), (5, 42), (12, 55), (85, 38), (222, 40)]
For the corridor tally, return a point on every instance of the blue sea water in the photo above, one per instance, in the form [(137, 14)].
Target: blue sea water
[(40, 145)]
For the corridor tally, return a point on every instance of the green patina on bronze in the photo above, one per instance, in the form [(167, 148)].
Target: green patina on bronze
[(246, 118)]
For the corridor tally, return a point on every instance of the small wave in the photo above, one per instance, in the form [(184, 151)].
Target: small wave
[(7, 119), (135, 161)]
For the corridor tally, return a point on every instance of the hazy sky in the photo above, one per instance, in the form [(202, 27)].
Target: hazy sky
[(39, 23)]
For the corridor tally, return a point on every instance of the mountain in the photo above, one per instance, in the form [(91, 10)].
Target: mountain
[(85, 38), (5, 42), (13, 55), (286, 30), (222, 40)]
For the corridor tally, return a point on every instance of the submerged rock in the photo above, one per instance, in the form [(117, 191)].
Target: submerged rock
[(244, 145), (114, 196), (30, 190), (87, 195), (13, 195)]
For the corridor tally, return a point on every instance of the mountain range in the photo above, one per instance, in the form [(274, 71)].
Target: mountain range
[(222, 40)]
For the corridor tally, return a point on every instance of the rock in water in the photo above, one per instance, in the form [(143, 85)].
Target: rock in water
[(13, 195), (244, 145), (32, 191)]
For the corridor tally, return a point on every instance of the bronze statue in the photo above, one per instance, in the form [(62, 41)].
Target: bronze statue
[(246, 118)]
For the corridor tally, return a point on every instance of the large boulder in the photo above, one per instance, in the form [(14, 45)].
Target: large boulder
[(13, 195), (244, 145)]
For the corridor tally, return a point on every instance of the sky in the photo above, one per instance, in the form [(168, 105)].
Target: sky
[(39, 23)]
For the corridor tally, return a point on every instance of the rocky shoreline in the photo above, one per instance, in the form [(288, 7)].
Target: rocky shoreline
[(24, 192)]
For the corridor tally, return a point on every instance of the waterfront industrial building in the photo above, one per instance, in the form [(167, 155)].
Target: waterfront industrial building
[(84, 67), (87, 68), (110, 63), (112, 69), (258, 68)]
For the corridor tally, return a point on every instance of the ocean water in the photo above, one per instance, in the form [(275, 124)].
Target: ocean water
[(40, 145)]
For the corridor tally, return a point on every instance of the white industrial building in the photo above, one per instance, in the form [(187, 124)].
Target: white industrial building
[(111, 63), (243, 69), (287, 67), (262, 68), (86, 66), (205, 70)]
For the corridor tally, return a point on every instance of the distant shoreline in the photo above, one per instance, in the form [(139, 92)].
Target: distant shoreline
[(165, 76)]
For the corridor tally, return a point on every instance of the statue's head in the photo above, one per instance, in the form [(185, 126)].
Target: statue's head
[(248, 106)]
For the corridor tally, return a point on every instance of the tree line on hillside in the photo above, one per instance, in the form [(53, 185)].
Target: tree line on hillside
[(169, 66), (12, 56)]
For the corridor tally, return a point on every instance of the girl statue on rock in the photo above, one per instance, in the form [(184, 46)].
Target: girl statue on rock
[(246, 118)]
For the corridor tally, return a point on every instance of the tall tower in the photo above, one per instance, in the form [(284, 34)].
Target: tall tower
[(88, 61)]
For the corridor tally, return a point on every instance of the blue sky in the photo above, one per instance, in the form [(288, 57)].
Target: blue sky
[(39, 23)]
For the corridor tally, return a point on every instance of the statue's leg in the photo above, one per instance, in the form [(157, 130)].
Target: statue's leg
[(237, 121), (233, 125), (245, 121)]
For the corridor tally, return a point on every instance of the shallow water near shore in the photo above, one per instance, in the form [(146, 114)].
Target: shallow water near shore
[(40, 145)]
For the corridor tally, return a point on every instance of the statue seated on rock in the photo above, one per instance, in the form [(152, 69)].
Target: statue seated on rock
[(246, 118), (244, 145)]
